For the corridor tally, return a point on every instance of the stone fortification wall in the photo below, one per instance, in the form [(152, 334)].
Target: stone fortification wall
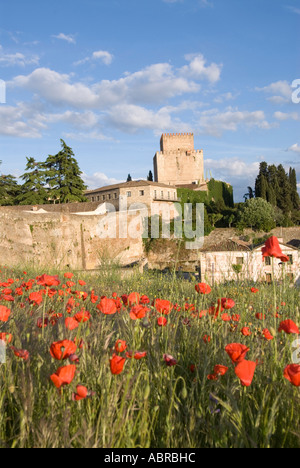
[(62, 240)]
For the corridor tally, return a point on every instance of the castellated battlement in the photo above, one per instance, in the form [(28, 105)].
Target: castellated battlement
[(177, 142)]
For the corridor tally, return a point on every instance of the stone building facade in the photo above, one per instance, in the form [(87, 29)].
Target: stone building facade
[(218, 263), (133, 193), (178, 163)]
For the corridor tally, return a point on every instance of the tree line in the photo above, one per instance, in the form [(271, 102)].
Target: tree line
[(55, 180)]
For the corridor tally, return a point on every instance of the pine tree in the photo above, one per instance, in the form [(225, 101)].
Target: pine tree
[(63, 176), (9, 190), (129, 179), (33, 190)]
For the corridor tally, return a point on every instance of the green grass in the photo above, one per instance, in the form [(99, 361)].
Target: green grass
[(149, 404)]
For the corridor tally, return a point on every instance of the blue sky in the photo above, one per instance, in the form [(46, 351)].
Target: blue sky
[(110, 76)]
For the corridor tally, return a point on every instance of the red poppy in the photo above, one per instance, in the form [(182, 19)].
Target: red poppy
[(246, 331), (138, 312), (169, 360), (225, 317), (71, 323), (7, 337), (64, 375), (267, 334), (62, 349), (206, 338), (236, 351), (245, 372), (48, 280), (21, 353), (42, 323), (82, 283), (4, 313), (107, 306), (235, 317), (162, 321), (203, 288), (212, 377), (260, 316), (163, 306), (133, 299), (226, 303), (36, 298), (254, 290), (137, 355), (120, 346), (68, 275), (272, 249), (82, 316), (117, 364), (144, 300), (292, 374), (288, 326), (81, 393), (220, 370)]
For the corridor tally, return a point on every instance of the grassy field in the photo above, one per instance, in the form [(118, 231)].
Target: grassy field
[(138, 359)]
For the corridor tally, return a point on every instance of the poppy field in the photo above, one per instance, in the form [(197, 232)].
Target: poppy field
[(147, 361)]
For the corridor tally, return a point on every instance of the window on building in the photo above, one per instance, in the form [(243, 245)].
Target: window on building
[(93, 198), (98, 198), (239, 260), (155, 194), (115, 195), (268, 278), (268, 260), (142, 193), (168, 195), (290, 259), (128, 194), (103, 197), (162, 194)]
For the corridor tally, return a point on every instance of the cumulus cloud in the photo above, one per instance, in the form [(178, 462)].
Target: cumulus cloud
[(215, 122), (22, 120), (65, 37), (281, 92), (295, 148), (197, 69)]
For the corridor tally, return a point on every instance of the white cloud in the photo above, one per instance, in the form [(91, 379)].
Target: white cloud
[(293, 9), (98, 179), (197, 69), (22, 120), (103, 55), (286, 116), (295, 148), (232, 167), (281, 90), (65, 37), (214, 122), (17, 59)]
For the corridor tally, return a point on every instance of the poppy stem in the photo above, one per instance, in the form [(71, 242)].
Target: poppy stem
[(44, 309)]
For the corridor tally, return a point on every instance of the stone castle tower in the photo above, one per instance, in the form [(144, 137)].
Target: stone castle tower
[(177, 162)]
